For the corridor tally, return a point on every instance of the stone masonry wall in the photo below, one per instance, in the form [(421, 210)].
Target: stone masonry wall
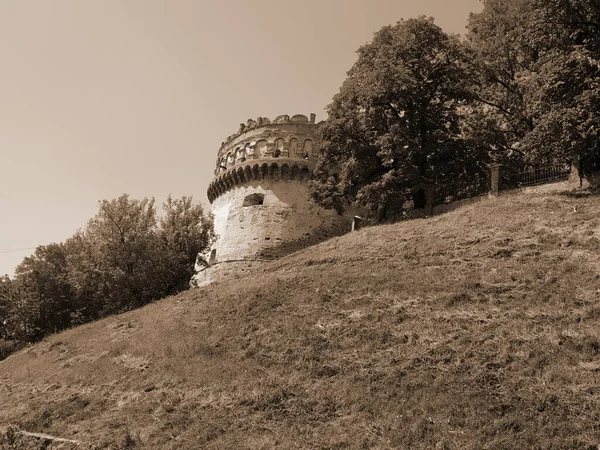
[(287, 214)]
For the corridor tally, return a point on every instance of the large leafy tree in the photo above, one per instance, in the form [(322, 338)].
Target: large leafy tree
[(19, 316), (128, 256), (396, 122), (9, 321), (499, 120), (7, 301), (112, 263), (125, 257), (565, 94), (539, 94), (6, 297)]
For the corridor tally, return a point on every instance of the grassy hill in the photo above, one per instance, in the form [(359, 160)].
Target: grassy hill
[(475, 329)]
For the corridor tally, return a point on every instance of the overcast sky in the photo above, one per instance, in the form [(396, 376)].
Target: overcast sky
[(104, 97)]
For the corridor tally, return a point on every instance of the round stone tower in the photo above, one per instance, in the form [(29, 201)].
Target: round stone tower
[(260, 200)]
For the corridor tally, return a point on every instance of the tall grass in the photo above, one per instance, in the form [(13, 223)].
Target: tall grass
[(475, 329)]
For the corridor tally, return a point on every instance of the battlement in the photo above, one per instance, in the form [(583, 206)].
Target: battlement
[(295, 137), (252, 124), (286, 169)]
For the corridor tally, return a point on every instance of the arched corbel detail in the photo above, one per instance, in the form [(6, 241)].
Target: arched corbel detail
[(305, 173), (234, 177), (295, 172), (241, 175), (274, 171), (248, 173), (225, 182), (264, 171), (285, 172), (229, 180), (222, 186)]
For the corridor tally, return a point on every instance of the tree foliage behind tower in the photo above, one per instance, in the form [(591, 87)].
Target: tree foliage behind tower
[(396, 121)]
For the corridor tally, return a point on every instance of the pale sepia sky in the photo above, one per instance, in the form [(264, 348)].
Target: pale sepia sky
[(104, 97)]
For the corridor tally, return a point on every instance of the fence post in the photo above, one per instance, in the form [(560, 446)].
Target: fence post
[(430, 200), (576, 175), (495, 179)]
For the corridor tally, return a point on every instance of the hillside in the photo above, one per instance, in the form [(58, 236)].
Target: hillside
[(474, 329)]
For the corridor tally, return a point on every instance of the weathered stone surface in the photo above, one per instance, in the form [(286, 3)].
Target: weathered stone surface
[(299, 118), (260, 199), (287, 213), (295, 139)]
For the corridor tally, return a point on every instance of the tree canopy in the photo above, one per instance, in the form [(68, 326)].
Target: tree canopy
[(420, 107), (538, 65), (396, 121), (125, 257)]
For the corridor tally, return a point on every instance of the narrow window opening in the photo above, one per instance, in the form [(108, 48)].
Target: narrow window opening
[(254, 200)]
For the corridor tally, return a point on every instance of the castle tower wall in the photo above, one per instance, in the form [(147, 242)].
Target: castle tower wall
[(260, 198), (287, 215)]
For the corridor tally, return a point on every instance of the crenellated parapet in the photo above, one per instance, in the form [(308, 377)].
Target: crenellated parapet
[(285, 137), (285, 169)]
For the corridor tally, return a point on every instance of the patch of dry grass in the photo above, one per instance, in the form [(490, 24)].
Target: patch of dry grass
[(475, 329)]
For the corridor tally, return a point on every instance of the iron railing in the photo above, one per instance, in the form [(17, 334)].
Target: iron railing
[(544, 175), (462, 189), (480, 184)]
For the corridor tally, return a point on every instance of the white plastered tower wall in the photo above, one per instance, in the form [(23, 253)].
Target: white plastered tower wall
[(260, 197), (287, 215)]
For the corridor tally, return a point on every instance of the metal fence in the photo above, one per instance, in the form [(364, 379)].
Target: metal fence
[(543, 175), (478, 184), (461, 189)]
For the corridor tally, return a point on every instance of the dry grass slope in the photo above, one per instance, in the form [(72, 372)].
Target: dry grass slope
[(476, 329)]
